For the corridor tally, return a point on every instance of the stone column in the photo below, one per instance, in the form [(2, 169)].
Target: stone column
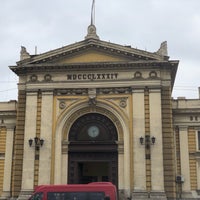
[(58, 159), (8, 162), (64, 169), (157, 170), (46, 135), (121, 169), (64, 161), (126, 162), (184, 156), (29, 152), (139, 163)]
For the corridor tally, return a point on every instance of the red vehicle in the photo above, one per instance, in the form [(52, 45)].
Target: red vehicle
[(90, 191)]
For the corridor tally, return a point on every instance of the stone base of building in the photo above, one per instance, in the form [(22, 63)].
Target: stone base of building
[(5, 195), (158, 195), (143, 195), (187, 196), (140, 195), (123, 194), (24, 195)]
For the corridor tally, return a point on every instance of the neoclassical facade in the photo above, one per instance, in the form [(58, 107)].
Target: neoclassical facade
[(98, 111)]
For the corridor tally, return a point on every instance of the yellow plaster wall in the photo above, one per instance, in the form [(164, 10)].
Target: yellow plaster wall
[(17, 164), (192, 161), (2, 156), (147, 131), (38, 126), (92, 56)]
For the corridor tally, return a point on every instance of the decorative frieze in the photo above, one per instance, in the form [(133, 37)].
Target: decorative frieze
[(86, 91), (121, 90), (62, 92), (95, 75)]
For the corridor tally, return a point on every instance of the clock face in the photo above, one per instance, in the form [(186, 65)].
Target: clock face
[(93, 131)]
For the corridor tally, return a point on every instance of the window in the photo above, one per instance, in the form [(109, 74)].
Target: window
[(198, 137), (75, 195)]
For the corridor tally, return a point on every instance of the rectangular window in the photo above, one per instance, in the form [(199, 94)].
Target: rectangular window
[(75, 195)]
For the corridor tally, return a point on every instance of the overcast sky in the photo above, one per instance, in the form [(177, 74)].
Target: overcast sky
[(143, 24)]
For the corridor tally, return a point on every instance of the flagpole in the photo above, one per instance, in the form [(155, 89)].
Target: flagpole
[(93, 13)]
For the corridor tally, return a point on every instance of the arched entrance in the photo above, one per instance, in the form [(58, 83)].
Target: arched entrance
[(93, 154)]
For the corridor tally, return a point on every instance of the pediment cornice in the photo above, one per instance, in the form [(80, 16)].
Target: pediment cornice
[(39, 67), (93, 44)]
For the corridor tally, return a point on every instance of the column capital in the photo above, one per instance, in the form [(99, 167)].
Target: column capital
[(154, 90), (183, 128), (47, 93), (10, 126), (31, 93), (138, 90)]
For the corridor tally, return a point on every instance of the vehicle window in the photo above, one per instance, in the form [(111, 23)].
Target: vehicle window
[(75, 195), (37, 196)]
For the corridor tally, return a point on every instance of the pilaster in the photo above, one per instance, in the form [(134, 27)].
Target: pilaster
[(29, 153), (138, 149), (46, 135), (184, 157), (157, 170), (121, 164), (65, 147)]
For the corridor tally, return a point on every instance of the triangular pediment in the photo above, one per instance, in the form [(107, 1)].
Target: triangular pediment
[(91, 56), (92, 51)]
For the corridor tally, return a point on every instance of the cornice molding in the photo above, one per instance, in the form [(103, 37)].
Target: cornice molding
[(93, 43), (92, 66)]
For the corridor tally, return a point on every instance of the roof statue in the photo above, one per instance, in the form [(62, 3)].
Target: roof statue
[(23, 53), (91, 28), (163, 49)]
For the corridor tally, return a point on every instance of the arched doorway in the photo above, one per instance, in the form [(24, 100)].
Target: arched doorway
[(93, 154)]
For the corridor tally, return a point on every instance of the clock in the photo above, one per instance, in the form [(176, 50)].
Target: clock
[(93, 131)]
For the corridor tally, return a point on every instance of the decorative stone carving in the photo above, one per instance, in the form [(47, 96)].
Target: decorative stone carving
[(78, 91), (33, 78), (163, 49), (24, 54), (47, 78), (153, 74), (92, 32), (62, 105), (114, 90), (123, 103), (138, 75), (71, 92), (106, 90), (121, 90), (92, 102), (92, 96)]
